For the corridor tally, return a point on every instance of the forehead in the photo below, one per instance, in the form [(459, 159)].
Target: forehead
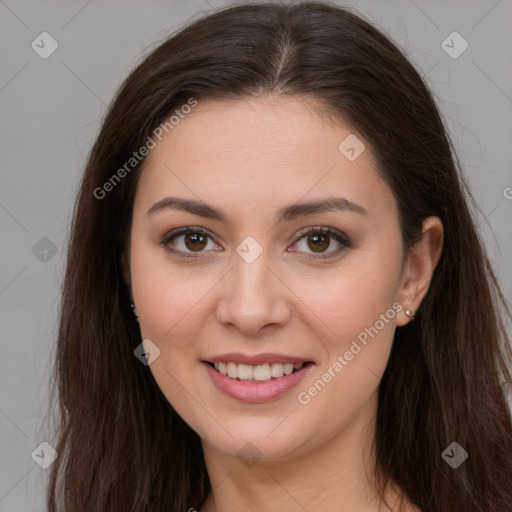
[(265, 148)]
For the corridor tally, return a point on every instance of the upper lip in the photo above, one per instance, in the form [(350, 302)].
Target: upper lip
[(254, 360)]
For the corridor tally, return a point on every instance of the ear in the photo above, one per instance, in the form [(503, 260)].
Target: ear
[(421, 262), (125, 265)]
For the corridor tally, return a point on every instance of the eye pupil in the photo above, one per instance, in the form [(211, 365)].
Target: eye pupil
[(319, 244), (197, 239)]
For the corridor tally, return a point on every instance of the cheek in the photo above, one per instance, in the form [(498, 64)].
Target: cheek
[(357, 339), (171, 311), (168, 299), (356, 295), (358, 309)]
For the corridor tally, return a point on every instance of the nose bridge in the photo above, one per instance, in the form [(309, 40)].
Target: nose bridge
[(252, 278), (251, 263), (253, 297), (251, 273)]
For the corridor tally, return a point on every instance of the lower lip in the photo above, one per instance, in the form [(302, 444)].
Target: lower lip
[(254, 391)]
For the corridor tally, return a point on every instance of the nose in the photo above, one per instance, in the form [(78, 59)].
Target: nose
[(253, 299)]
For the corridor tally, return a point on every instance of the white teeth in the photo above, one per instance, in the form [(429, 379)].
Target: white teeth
[(288, 368), (232, 370), (276, 370), (245, 372), (261, 372)]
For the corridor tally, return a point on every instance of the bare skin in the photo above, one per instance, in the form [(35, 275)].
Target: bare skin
[(250, 159)]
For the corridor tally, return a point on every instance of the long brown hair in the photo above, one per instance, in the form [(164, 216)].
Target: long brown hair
[(121, 445)]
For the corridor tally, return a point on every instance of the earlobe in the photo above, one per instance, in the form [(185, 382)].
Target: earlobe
[(419, 269)]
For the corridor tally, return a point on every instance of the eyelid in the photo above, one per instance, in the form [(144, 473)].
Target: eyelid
[(188, 229), (325, 230)]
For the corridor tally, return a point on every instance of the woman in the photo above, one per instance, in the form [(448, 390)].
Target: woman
[(276, 297)]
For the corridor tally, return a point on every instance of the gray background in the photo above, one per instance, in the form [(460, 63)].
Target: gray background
[(51, 109)]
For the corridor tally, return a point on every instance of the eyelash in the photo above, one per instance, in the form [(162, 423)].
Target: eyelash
[(341, 238)]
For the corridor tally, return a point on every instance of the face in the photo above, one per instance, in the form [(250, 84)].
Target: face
[(260, 273)]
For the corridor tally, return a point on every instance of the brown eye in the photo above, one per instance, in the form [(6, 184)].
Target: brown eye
[(195, 241), (322, 242), (189, 242), (318, 242)]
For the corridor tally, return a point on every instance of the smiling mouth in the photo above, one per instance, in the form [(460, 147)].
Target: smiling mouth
[(258, 373)]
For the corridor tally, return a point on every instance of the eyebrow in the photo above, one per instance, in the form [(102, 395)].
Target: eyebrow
[(285, 214)]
